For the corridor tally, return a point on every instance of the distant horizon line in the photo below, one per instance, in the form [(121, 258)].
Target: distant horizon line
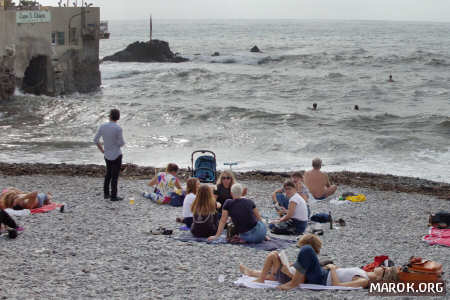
[(284, 19)]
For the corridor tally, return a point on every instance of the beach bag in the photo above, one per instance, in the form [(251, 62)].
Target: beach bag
[(176, 200), (321, 218), (440, 220), (381, 260), (287, 228), (421, 270), (231, 232)]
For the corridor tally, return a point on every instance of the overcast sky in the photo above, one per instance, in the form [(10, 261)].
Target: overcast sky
[(402, 10)]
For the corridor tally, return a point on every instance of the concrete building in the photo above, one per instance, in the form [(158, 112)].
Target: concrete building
[(50, 50)]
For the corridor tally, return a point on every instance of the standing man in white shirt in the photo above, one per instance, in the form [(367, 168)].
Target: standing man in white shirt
[(112, 136)]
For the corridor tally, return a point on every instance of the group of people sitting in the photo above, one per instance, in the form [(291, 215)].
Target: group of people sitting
[(208, 210), (308, 269), (16, 199)]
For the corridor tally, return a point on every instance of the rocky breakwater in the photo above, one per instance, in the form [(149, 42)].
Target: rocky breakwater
[(381, 182), (152, 51)]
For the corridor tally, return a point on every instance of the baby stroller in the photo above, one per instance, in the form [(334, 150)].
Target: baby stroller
[(205, 166)]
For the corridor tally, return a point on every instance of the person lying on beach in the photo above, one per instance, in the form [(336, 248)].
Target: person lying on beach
[(282, 202), (245, 217), (223, 187), (25, 200), (204, 210), (308, 270), (167, 186), (274, 269), (192, 185), (297, 213), (318, 182)]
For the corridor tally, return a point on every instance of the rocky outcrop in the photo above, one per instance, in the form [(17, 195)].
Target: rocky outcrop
[(255, 49), (154, 51)]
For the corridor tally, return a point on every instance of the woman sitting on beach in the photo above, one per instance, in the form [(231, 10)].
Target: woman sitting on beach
[(167, 186), (223, 187), (309, 270), (282, 202), (24, 200), (274, 269), (296, 218), (204, 210), (245, 217), (192, 186)]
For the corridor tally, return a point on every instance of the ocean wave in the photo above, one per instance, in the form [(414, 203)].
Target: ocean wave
[(246, 114), (126, 74), (437, 62)]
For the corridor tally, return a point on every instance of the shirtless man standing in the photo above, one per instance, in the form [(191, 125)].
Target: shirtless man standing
[(318, 182)]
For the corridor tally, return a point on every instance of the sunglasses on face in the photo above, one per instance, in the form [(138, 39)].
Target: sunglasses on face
[(226, 177)]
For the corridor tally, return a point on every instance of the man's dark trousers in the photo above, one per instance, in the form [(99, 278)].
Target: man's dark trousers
[(112, 176)]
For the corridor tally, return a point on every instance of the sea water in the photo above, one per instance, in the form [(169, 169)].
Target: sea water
[(255, 108)]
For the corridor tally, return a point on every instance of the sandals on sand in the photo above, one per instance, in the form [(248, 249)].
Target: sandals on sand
[(161, 230)]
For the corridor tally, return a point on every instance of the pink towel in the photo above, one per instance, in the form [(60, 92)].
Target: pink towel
[(438, 236), (45, 208)]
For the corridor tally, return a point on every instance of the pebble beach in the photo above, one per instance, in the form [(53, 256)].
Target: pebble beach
[(98, 249)]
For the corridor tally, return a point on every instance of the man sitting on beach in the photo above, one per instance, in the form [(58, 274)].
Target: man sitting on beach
[(318, 182)]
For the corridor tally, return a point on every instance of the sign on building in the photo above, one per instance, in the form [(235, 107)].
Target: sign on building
[(33, 16)]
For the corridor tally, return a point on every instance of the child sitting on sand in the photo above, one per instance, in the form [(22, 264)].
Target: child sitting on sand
[(167, 186), (192, 185), (282, 202), (296, 218)]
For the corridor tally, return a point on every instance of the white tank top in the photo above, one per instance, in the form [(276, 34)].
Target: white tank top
[(347, 274)]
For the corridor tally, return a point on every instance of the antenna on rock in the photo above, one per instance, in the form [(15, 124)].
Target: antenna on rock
[(151, 29)]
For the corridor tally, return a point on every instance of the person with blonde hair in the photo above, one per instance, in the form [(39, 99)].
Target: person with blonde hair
[(192, 185), (204, 210), (273, 268), (245, 216), (167, 186), (223, 187)]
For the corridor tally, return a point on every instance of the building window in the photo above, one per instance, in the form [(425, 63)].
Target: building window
[(60, 37), (54, 38)]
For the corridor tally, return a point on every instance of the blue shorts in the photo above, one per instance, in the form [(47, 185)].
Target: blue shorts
[(41, 199)]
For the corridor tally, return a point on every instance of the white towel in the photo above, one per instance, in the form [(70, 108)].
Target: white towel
[(18, 213), (248, 281)]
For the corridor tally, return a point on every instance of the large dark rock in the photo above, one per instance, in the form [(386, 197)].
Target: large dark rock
[(255, 49), (156, 51)]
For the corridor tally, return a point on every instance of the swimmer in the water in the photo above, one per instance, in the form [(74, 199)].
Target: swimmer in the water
[(390, 79), (356, 107), (314, 106)]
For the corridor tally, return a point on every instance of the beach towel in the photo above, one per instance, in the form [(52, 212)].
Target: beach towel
[(247, 281), (273, 244), (438, 236), (18, 213), (45, 208)]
